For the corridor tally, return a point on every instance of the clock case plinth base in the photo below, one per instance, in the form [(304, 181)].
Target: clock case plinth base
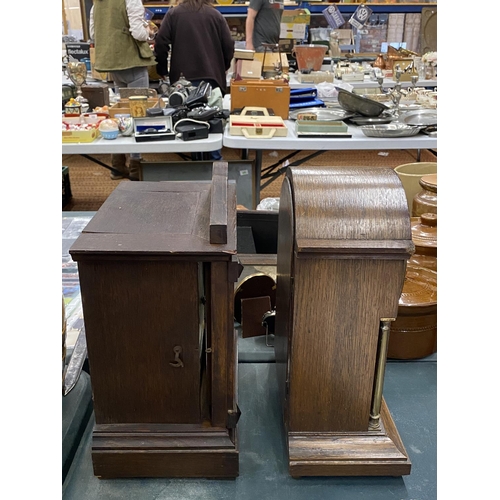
[(370, 453), (154, 450)]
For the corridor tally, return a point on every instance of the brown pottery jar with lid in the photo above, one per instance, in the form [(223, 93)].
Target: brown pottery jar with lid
[(425, 201), (414, 333), (424, 236)]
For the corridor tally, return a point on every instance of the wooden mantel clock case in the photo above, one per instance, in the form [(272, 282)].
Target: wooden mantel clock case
[(344, 239), (157, 271)]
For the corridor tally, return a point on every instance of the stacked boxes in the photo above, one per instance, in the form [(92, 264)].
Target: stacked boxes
[(395, 29), (412, 32), (294, 24)]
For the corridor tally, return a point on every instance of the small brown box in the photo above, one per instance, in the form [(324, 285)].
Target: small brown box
[(249, 69), (97, 94)]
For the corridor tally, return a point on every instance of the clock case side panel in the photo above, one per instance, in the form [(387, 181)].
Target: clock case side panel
[(284, 291)]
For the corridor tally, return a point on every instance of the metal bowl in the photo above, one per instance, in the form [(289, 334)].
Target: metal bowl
[(359, 104), (390, 130)]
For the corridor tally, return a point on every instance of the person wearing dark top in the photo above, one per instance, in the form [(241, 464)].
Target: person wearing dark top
[(263, 23), (201, 44)]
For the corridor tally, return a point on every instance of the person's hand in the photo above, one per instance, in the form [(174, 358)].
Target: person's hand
[(151, 33), (249, 45)]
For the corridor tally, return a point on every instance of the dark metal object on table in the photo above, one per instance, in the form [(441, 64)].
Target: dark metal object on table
[(359, 104)]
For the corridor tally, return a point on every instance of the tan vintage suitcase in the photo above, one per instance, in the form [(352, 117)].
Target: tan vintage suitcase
[(273, 94)]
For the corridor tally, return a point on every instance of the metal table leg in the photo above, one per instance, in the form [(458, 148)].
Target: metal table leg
[(256, 178)]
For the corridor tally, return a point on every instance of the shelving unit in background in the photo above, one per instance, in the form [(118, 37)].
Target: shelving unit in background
[(400, 19)]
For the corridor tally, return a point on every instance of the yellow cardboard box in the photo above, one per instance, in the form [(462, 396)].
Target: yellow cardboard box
[(294, 23), (296, 16)]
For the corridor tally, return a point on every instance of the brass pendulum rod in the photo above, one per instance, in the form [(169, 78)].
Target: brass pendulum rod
[(378, 383)]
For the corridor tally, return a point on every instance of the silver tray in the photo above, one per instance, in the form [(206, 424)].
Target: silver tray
[(422, 117), (390, 130), (373, 120), (323, 114)]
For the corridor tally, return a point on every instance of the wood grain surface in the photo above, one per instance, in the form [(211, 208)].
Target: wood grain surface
[(344, 240), (157, 299)]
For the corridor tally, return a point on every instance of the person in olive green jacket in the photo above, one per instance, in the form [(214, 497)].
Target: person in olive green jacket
[(121, 39)]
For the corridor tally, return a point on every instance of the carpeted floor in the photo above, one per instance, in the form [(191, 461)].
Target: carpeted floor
[(91, 184)]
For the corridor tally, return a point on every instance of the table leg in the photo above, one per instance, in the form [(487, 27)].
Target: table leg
[(418, 154), (95, 160), (256, 178)]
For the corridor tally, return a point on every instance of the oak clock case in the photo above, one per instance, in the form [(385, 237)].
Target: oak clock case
[(344, 239), (157, 270)]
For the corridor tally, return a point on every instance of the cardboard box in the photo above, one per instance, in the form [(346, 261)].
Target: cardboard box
[(249, 69), (271, 59), (123, 106), (296, 16), (80, 135), (294, 23)]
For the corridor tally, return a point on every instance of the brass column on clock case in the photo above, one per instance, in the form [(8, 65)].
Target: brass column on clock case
[(344, 239), (157, 270)]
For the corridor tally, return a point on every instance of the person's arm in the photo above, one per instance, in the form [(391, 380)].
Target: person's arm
[(91, 23), (249, 25), (162, 43), (138, 28)]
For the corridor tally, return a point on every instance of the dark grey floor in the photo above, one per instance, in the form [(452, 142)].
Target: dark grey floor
[(410, 392)]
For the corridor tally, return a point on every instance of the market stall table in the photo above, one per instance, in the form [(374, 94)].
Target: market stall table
[(129, 145), (292, 142), (368, 82)]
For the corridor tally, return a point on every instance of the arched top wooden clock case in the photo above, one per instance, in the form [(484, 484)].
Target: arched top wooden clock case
[(344, 239)]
